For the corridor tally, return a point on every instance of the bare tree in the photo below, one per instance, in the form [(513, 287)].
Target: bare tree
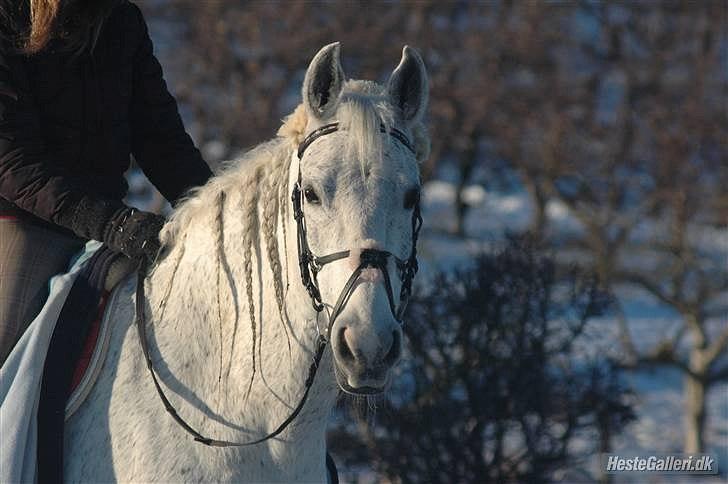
[(635, 150)]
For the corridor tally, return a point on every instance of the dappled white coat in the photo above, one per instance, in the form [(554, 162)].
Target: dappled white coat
[(230, 260)]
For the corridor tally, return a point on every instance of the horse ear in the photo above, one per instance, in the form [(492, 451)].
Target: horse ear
[(323, 82), (408, 86)]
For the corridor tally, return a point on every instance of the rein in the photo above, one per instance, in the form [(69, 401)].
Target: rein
[(310, 265), (198, 437)]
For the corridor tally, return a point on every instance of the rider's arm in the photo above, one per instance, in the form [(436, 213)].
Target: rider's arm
[(160, 144), (29, 176), (32, 180)]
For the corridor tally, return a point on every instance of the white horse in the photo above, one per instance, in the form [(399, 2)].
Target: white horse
[(232, 330)]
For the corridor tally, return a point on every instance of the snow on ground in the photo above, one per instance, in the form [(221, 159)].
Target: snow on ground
[(491, 215), (658, 427)]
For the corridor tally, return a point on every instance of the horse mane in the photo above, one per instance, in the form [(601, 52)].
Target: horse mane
[(261, 177)]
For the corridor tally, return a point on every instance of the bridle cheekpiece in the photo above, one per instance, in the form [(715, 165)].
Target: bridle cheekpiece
[(310, 264)]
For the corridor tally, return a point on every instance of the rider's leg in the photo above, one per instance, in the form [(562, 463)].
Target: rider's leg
[(29, 256)]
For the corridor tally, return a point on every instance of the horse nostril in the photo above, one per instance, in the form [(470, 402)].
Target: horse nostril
[(395, 350), (346, 353)]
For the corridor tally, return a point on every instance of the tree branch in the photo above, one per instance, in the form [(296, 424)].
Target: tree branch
[(652, 287), (718, 375), (717, 347)]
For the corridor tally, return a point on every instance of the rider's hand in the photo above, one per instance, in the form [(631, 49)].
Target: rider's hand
[(134, 233), (127, 230)]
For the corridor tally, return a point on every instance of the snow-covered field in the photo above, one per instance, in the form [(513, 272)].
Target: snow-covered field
[(658, 428)]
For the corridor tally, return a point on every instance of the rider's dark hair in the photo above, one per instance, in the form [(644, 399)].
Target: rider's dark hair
[(28, 26)]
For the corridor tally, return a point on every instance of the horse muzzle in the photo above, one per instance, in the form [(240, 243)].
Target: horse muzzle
[(363, 359)]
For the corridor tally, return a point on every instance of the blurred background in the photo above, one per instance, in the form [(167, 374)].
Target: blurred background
[(574, 296)]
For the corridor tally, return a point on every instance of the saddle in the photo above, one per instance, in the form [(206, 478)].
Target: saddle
[(75, 355)]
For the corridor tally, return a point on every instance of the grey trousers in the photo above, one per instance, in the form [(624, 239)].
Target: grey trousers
[(29, 256)]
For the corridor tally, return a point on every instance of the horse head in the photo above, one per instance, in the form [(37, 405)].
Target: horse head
[(355, 182)]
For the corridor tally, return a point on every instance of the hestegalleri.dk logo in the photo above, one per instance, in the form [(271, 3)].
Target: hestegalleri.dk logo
[(660, 463)]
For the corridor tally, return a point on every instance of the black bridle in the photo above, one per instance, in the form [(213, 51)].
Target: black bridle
[(310, 265)]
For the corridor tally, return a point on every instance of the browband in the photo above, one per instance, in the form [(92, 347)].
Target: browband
[(333, 127)]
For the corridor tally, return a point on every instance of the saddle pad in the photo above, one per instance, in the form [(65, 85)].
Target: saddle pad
[(66, 347), (21, 376), (92, 357)]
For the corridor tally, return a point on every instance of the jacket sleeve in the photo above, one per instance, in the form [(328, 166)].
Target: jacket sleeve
[(160, 145), (29, 177)]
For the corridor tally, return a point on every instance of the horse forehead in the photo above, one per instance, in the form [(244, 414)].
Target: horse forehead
[(371, 184), (335, 156), (363, 188)]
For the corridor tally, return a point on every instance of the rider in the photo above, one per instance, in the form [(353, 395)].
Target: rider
[(80, 90)]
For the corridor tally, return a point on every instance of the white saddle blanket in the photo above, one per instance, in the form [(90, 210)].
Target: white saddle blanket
[(21, 376)]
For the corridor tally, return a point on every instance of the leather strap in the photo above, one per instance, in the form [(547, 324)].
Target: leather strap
[(141, 329), (333, 127)]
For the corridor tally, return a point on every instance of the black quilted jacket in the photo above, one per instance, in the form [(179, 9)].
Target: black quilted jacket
[(68, 126)]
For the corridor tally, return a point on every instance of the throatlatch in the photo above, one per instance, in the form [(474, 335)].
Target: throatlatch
[(310, 265)]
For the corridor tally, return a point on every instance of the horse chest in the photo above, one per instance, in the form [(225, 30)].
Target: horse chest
[(122, 432)]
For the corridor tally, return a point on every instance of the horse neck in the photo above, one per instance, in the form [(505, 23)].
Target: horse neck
[(201, 300)]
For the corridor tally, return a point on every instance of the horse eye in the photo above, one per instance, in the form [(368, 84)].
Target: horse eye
[(411, 197), (311, 196)]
